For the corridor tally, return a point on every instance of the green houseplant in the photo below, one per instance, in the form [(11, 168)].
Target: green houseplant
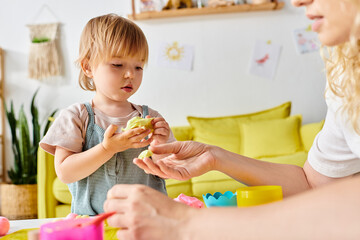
[(24, 172)]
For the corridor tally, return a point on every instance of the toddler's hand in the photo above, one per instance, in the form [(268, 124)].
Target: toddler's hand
[(161, 130), (118, 142)]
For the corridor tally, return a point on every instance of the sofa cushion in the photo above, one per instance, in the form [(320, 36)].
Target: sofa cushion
[(182, 133), (213, 181), (175, 187), (308, 133), (62, 210), (298, 159), (61, 191), (224, 131), (267, 138)]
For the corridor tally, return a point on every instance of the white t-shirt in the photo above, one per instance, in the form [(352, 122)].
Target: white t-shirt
[(336, 149)]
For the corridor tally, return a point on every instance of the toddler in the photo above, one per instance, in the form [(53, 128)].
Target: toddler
[(91, 152)]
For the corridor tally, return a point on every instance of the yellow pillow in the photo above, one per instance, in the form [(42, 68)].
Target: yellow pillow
[(182, 133), (213, 181), (308, 133), (224, 131), (61, 191), (274, 137), (62, 210), (175, 187)]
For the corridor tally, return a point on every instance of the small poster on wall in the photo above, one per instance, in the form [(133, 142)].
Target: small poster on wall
[(265, 59), (306, 40), (176, 55)]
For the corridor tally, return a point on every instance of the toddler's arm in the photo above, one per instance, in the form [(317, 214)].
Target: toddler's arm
[(71, 167)]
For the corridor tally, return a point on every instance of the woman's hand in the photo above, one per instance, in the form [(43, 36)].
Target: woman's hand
[(144, 213), (186, 160)]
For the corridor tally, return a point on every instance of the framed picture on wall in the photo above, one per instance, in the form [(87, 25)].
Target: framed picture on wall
[(176, 55), (306, 41), (265, 59)]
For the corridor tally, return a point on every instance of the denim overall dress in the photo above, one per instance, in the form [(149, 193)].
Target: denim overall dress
[(89, 194)]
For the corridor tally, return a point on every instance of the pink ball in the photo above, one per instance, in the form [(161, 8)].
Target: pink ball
[(4, 226)]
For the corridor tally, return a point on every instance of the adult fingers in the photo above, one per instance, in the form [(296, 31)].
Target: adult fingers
[(134, 234), (166, 148), (154, 168), (123, 234), (149, 167), (121, 191), (170, 172), (117, 205), (142, 165), (118, 220), (154, 142), (121, 207)]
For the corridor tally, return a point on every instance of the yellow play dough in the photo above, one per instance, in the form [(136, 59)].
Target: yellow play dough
[(145, 153), (136, 122)]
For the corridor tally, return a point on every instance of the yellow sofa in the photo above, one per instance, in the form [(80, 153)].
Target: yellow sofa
[(271, 135)]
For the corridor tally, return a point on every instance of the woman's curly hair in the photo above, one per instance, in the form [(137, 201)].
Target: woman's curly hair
[(343, 72)]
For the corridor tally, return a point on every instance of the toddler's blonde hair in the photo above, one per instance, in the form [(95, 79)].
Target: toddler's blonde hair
[(343, 72), (109, 36)]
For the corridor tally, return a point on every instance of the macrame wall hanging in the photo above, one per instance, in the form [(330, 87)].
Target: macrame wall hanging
[(44, 61)]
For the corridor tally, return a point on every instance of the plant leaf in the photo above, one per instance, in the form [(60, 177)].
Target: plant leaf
[(49, 121), (36, 130), (24, 143), (25, 148), (15, 143)]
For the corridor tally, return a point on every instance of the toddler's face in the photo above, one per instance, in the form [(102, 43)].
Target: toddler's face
[(333, 19), (118, 78)]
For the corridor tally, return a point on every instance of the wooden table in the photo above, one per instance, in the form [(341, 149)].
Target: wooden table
[(16, 225)]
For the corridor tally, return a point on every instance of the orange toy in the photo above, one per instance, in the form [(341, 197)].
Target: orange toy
[(4, 226), (175, 4)]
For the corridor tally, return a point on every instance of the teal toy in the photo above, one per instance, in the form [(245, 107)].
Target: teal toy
[(228, 199)]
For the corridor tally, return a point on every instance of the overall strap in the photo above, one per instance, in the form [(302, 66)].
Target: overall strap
[(90, 112), (145, 111)]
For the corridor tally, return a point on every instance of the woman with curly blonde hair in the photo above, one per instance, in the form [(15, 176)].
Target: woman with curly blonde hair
[(331, 210), (343, 72)]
